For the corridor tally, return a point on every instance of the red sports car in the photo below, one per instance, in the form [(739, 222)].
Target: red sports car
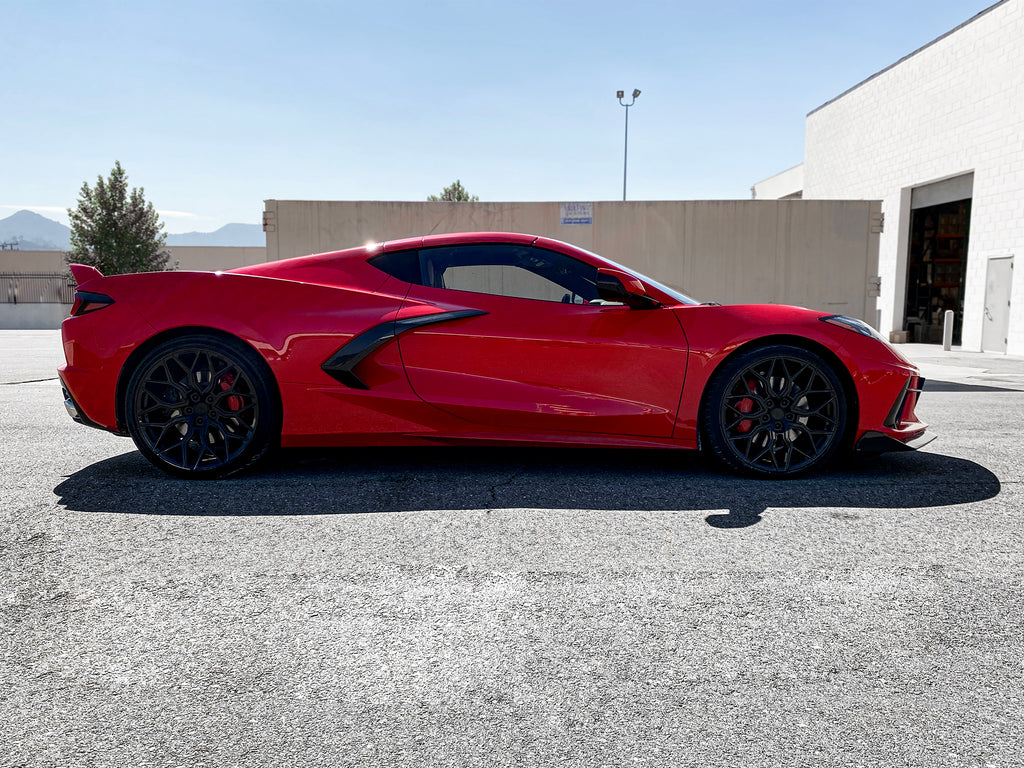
[(486, 338)]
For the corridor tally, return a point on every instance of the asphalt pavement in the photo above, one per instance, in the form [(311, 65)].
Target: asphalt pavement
[(506, 607)]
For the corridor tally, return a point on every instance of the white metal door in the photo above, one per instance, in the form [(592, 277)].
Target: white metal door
[(996, 323)]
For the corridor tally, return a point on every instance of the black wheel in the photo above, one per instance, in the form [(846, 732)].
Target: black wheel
[(201, 407), (775, 411)]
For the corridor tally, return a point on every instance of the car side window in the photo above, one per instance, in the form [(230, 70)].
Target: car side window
[(405, 265), (508, 269)]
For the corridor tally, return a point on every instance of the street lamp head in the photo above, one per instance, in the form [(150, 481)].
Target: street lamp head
[(620, 94), (636, 92)]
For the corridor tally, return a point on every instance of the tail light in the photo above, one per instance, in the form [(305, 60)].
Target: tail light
[(86, 302)]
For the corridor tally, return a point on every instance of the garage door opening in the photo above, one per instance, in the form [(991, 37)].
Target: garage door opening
[(937, 263)]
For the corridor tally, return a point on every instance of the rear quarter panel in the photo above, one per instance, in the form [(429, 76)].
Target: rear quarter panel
[(294, 326)]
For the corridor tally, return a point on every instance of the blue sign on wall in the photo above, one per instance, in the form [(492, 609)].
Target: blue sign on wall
[(577, 213)]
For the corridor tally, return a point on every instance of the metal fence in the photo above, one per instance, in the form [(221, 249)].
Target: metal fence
[(36, 288)]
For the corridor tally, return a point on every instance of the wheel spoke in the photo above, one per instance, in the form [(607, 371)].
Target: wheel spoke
[(772, 377), (760, 377), (793, 447), (203, 448), (159, 390), (812, 411), (794, 379), (223, 441), (154, 407), (753, 399), (226, 369), (785, 383), (744, 416), (767, 448), (165, 427), (740, 419)]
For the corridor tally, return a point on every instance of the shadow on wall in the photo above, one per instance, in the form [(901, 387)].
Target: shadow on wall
[(348, 481)]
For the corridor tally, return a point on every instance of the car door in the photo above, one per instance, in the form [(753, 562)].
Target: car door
[(539, 356)]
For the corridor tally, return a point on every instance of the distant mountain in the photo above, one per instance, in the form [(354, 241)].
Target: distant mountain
[(33, 232), (228, 235)]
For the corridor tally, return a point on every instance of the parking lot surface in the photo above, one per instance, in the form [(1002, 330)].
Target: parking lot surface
[(456, 607)]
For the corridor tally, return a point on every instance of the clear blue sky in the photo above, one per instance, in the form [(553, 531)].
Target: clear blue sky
[(214, 106)]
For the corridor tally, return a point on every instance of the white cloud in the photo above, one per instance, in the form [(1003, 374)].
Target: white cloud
[(49, 211), (176, 222)]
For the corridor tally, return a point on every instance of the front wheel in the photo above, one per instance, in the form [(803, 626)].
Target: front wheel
[(775, 411), (201, 407)]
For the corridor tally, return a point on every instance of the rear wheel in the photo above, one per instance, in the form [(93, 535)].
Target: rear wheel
[(776, 411), (201, 407)]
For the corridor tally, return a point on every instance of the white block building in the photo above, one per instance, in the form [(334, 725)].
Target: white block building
[(938, 137)]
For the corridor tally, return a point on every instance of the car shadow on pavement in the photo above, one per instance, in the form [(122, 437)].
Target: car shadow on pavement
[(936, 385), (354, 481)]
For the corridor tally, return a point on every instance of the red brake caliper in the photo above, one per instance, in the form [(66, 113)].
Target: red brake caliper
[(234, 401), (746, 405)]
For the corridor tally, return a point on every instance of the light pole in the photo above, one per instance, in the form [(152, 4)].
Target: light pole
[(625, 150)]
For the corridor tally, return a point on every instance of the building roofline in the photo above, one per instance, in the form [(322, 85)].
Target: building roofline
[(779, 173), (909, 55)]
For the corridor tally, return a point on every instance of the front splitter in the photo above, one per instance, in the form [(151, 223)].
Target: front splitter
[(876, 442)]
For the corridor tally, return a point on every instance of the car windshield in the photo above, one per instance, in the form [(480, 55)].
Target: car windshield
[(679, 296)]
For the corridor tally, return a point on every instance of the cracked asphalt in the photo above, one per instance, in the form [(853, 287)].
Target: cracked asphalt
[(455, 607)]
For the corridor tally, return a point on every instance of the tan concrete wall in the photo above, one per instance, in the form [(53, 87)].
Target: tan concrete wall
[(32, 261), (818, 254), (38, 314), (25, 317), (213, 258), (186, 257)]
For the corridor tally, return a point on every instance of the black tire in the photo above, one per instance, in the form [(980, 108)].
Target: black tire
[(202, 406), (775, 411)]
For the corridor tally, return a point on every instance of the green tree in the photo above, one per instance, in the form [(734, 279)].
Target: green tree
[(115, 230), (455, 193)]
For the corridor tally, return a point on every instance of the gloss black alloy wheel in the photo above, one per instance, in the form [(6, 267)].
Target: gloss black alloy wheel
[(201, 406), (775, 411)]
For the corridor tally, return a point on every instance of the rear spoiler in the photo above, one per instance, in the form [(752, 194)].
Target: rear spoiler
[(84, 274)]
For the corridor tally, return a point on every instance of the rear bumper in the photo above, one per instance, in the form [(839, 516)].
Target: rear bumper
[(74, 411), (96, 346)]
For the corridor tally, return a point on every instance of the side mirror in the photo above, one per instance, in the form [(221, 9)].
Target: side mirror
[(613, 285)]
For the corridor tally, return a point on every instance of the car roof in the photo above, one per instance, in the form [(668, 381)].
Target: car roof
[(458, 238)]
